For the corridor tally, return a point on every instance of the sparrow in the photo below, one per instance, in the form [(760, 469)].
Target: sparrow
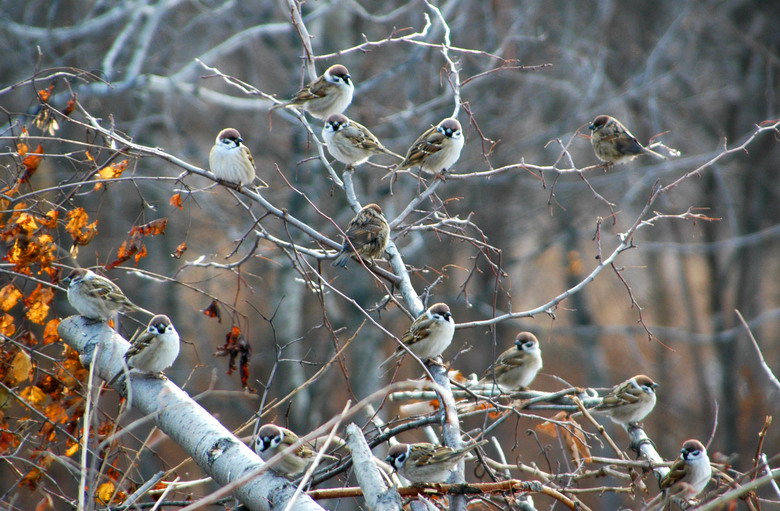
[(437, 149), (329, 94), (631, 401), (272, 439), (692, 467), (517, 366), (368, 232), (429, 335), (426, 463), (230, 160), (350, 142), (96, 297), (613, 143), (155, 348)]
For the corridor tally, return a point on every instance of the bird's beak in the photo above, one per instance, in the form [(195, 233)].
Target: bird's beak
[(591, 127)]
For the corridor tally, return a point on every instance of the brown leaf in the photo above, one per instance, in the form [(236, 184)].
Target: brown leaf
[(30, 164), (213, 311), (180, 250), (153, 228), (20, 368), (9, 296), (50, 334), (33, 395), (7, 326), (78, 227), (38, 304), (70, 106), (175, 201)]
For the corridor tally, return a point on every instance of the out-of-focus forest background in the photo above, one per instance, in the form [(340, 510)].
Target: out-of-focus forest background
[(696, 73)]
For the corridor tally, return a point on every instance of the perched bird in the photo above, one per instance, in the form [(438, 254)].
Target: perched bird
[(692, 467), (329, 94), (437, 149), (429, 335), (272, 439), (631, 401), (230, 160), (155, 348), (350, 142), (96, 297), (613, 143), (426, 463), (368, 232), (517, 366)]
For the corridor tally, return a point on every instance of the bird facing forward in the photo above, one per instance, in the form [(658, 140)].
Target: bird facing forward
[(613, 143), (426, 463), (436, 150), (368, 232), (430, 334), (329, 94), (517, 367), (155, 348), (96, 297), (630, 401), (272, 439), (692, 467), (230, 160), (350, 142)]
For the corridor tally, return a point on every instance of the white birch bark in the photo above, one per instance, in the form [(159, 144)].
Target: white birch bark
[(220, 454), (378, 496)]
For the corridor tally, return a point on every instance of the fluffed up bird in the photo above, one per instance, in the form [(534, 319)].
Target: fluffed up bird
[(426, 463), (96, 297), (437, 149), (430, 334), (613, 143), (350, 142), (516, 367), (630, 401), (230, 160), (329, 94), (368, 232), (155, 348), (272, 439), (692, 467)]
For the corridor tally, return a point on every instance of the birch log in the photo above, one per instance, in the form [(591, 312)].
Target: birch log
[(220, 454)]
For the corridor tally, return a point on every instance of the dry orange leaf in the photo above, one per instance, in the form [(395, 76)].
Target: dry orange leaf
[(175, 201), (79, 228), (50, 334), (33, 395), (9, 296), (38, 304), (104, 492), (21, 149), (31, 162), (20, 368), (213, 311), (73, 449), (153, 228), (70, 106), (180, 250), (51, 219), (7, 326), (111, 172)]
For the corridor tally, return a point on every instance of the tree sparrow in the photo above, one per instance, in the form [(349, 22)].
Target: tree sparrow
[(613, 143), (368, 232), (350, 142), (272, 439), (426, 463), (631, 401), (96, 297), (430, 334), (155, 348), (329, 94), (437, 149), (692, 467), (517, 366), (230, 160)]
